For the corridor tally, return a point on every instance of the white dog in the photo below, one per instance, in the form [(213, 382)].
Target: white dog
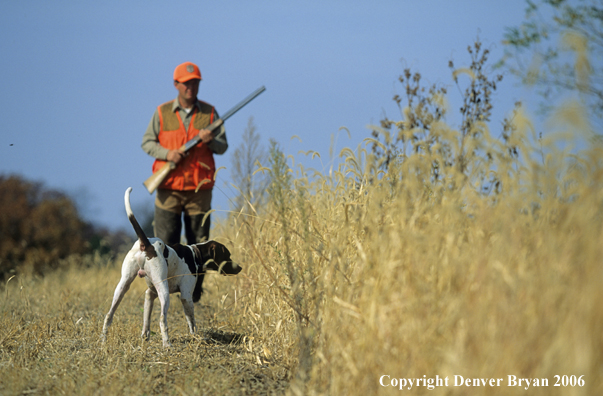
[(168, 270)]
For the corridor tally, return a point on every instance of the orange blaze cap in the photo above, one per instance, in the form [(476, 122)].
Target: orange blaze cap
[(186, 71)]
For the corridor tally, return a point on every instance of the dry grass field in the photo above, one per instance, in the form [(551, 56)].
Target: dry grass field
[(49, 341), (466, 256), (348, 278)]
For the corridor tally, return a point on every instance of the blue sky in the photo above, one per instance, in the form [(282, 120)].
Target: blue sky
[(81, 79)]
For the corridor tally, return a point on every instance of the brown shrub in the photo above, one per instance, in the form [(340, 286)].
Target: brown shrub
[(39, 227)]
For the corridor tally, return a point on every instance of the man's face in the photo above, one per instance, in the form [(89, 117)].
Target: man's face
[(187, 90)]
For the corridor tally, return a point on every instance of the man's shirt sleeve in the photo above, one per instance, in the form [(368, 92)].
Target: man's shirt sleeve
[(150, 140), (219, 144)]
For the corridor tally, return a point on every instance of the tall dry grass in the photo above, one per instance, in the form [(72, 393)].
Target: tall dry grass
[(408, 268), (396, 272), (351, 275)]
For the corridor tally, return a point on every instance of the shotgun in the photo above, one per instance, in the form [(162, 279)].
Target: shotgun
[(156, 178)]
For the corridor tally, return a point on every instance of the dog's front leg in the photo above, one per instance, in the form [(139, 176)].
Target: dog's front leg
[(150, 297), (189, 313)]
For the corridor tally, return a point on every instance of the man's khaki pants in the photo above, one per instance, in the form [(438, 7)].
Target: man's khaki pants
[(169, 206)]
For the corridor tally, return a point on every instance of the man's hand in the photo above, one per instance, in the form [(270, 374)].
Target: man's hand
[(175, 156), (206, 136)]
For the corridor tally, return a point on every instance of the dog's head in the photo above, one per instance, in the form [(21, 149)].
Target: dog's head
[(217, 258)]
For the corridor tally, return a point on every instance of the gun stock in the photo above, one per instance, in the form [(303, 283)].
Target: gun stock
[(156, 178), (153, 182)]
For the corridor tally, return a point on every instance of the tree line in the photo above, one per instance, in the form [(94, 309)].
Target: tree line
[(40, 227)]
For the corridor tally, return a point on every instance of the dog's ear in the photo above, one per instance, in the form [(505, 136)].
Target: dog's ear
[(218, 258), (220, 252), (166, 252), (216, 251), (209, 249)]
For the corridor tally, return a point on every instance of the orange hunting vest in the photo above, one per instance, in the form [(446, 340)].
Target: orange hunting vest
[(198, 166)]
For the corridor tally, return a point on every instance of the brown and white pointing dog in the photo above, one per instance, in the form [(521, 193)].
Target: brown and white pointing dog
[(166, 269)]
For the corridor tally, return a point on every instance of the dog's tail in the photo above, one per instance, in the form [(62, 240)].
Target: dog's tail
[(145, 245)]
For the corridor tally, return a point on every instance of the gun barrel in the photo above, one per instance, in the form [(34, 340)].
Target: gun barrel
[(155, 179), (242, 103)]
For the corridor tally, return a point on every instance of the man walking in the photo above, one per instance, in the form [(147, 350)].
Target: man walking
[(188, 188)]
